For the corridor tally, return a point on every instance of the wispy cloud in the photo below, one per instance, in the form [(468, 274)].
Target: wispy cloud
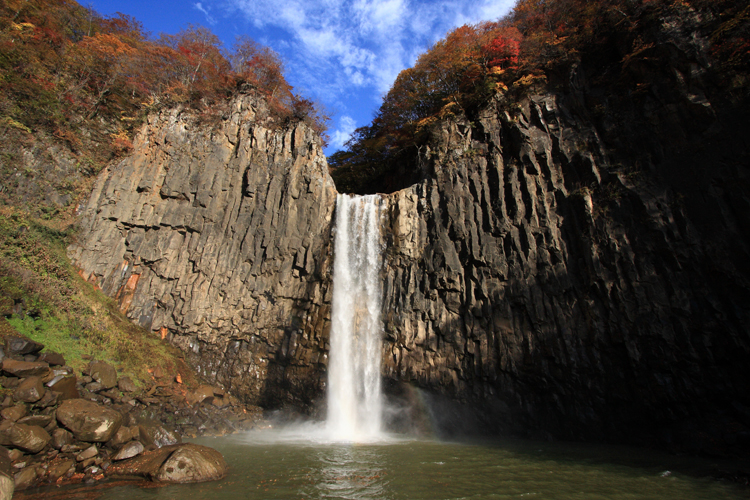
[(209, 18), (345, 52), (343, 133)]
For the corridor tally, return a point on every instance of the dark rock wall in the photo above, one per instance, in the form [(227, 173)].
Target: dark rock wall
[(217, 238), (560, 289)]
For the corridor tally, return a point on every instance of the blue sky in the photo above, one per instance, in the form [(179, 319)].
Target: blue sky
[(343, 53)]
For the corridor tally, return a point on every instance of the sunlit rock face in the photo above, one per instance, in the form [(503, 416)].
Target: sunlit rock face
[(216, 237)]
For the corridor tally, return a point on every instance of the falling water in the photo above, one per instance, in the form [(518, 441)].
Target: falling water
[(354, 395)]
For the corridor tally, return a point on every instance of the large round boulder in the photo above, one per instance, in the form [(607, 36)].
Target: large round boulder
[(180, 463), (192, 463), (89, 421)]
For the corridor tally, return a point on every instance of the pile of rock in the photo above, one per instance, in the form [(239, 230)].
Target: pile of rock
[(58, 427)]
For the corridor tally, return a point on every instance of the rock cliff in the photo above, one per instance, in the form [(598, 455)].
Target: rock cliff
[(216, 236), (561, 272), (560, 285)]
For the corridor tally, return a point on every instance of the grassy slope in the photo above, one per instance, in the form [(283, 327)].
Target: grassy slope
[(43, 297)]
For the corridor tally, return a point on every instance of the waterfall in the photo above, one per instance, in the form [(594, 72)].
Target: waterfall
[(354, 393)]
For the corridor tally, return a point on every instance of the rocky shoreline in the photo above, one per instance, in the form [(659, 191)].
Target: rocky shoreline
[(59, 427)]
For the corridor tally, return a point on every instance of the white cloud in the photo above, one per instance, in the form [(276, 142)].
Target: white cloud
[(211, 20), (339, 48), (347, 125)]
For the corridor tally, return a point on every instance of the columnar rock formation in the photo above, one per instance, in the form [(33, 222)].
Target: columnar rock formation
[(216, 236), (544, 281), (558, 290)]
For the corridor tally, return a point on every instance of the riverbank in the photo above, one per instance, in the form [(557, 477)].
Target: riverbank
[(60, 426)]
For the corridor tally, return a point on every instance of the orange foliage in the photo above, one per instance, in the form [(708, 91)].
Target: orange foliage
[(59, 61)]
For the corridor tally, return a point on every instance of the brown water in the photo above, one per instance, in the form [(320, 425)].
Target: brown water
[(271, 465)]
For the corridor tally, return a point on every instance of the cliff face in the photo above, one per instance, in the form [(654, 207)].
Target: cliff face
[(561, 287), (217, 237), (564, 271)]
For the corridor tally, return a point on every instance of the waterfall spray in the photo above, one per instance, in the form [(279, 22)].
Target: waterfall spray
[(354, 390)]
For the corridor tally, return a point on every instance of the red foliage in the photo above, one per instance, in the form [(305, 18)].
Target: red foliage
[(502, 52)]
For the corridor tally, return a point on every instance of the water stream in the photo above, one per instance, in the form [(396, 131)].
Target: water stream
[(355, 402)]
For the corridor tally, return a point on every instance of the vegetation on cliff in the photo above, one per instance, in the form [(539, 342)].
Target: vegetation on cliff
[(621, 46), (86, 81), (74, 87)]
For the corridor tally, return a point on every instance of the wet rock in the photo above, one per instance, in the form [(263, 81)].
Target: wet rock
[(59, 468), (94, 387), (147, 464), (22, 346), (89, 452), (89, 421), (122, 436), (30, 390), (29, 438), (154, 435), (40, 420), (61, 438), (126, 384), (176, 464), (26, 478), (14, 413), (65, 385), (192, 463), (104, 373), (5, 430), (52, 358), (23, 369), (50, 398), (200, 394), (130, 450), (7, 483)]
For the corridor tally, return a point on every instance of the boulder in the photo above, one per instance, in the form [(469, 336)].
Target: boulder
[(89, 421), (200, 394), (60, 438), (26, 478), (192, 463), (94, 387), (57, 469), (147, 464), (122, 436), (14, 413), (154, 435), (89, 452), (52, 358), (25, 368), (21, 346), (65, 385), (29, 438), (30, 390), (130, 450), (40, 420), (5, 428), (126, 384), (7, 484), (104, 373), (183, 463), (50, 398)]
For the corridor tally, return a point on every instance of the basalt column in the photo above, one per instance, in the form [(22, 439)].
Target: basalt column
[(217, 238)]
